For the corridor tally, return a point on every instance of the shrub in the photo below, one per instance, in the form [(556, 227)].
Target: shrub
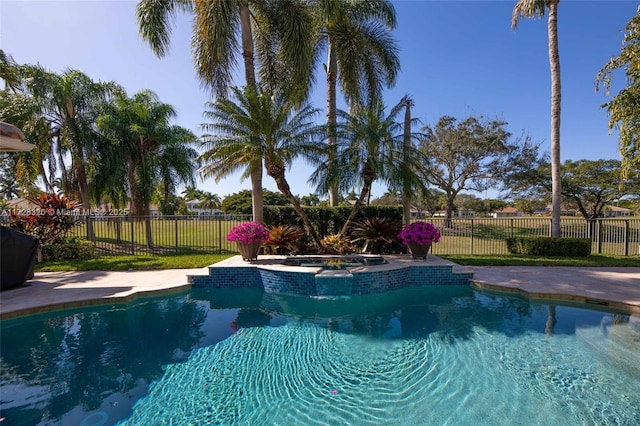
[(378, 235), (547, 246), (50, 221), (326, 220), (68, 248), (336, 244), (285, 239)]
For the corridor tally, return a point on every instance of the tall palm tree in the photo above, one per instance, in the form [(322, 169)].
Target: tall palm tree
[(24, 111), (225, 29), (537, 8), (143, 149), (407, 179), (361, 55), (260, 125), (70, 103), (371, 148)]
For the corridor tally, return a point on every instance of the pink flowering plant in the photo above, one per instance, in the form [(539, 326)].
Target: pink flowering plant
[(248, 232), (419, 233)]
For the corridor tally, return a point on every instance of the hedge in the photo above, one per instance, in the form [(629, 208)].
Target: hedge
[(68, 248), (547, 246), (326, 220)]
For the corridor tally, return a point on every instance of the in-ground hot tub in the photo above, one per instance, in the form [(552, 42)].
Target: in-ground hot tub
[(315, 276), (334, 262)]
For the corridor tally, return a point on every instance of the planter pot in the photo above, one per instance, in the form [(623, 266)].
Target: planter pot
[(419, 250), (249, 251)]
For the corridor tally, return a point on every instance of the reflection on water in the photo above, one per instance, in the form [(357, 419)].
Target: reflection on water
[(91, 366)]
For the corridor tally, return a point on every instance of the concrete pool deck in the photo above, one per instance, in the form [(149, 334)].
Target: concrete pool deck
[(615, 288)]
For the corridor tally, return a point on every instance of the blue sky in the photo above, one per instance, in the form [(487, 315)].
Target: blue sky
[(458, 58)]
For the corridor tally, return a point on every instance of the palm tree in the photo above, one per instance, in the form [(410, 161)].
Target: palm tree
[(361, 55), (143, 150), (285, 42), (371, 148), (537, 8), (9, 72), (191, 193), (260, 125), (24, 111), (209, 201), (407, 179), (70, 103)]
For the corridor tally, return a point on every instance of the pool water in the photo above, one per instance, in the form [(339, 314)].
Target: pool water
[(334, 262), (421, 356)]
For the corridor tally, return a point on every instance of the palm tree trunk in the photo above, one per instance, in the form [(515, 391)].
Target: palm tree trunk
[(83, 189), (250, 76), (406, 188), (283, 186), (247, 44), (551, 320), (48, 187), (256, 192), (366, 187), (368, 177), (554, 63), (147, 227), (332, 76)]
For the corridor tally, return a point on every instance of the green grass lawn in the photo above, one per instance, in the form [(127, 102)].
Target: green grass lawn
[(151, 262), (135, 263), (519, 260)]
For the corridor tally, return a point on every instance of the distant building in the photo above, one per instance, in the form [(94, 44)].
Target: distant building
[(564, 211), (194, 206), (460, 213), (506, 212), (615, 211)]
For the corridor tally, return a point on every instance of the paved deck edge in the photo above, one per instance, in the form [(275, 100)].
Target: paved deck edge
[(590, 302), (101, 301)]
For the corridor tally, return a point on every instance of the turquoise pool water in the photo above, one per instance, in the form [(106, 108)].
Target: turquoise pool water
[(422, 356)]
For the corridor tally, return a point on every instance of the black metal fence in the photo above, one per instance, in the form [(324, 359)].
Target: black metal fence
[(161, 235), (488, 235), (473, 236)]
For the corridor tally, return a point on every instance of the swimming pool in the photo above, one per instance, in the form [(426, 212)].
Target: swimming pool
[(426, 355)]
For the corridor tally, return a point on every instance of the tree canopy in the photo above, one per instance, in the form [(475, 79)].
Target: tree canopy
[(472, 154), (588, 185), (624, 108), (240, 202)]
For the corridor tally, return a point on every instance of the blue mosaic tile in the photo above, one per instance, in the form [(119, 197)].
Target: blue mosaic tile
[(328, 284)]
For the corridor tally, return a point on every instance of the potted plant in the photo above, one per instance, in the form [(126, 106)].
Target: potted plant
[(419, 236), (249, 237)]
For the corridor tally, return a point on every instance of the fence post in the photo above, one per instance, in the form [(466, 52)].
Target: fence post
[(471, 236), (511, 230), (550, 227), (89, 225), (626, 237), (219, 236), (599, 231), (175, 219), (133, 239)]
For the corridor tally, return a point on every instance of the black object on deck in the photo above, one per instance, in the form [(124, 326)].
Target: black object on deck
[(18, 253)]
